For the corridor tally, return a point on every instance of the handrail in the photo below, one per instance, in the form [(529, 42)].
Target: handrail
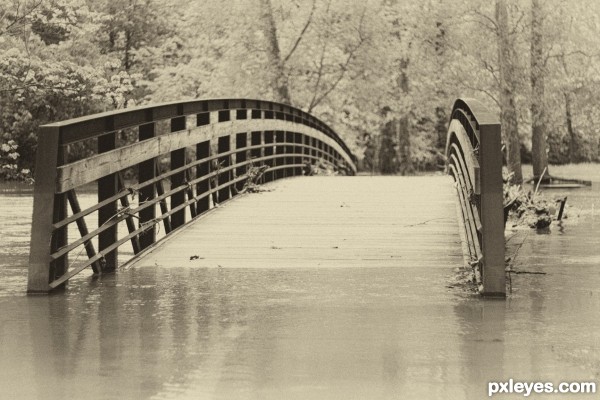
[(216, 149), (474, 160)]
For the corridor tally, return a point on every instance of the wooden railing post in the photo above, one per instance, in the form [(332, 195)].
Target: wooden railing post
[(223, 146), (178, 179), (241, 142), (298, 150), (289, 150), (45, 205), (107, 187), (268, 152), (203, 169), (60, 237), (279, 150), (492, 216), (257, 139), (146, 172)]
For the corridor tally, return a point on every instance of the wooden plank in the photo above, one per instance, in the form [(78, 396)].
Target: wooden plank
[(325, 222), (90, 169)]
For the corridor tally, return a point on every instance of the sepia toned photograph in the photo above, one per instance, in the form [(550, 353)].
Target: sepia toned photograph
[(299, 199)]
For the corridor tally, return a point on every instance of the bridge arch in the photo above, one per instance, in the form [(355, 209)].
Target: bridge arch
[(213, 150)]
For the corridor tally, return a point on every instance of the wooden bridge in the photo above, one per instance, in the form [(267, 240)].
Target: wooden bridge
[(175, 168)]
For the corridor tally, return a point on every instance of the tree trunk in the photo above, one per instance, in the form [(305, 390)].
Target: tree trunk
[(388, 160), (279, 80), (571, 132), (508, 109), (538, 73), (403, 126), (127, 57), (573, 144)]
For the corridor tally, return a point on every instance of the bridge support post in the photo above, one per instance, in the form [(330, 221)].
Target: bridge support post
[(178, 179), (492, 216), (289, 150), (256, 139), (298, 150), (203, 169), (146, 172), (268, 152), (107, 188), (241, 142), (223, 146), (48, 208), (280, 150)]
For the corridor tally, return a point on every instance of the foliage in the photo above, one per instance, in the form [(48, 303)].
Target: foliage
[(9, 168), (343, 61)]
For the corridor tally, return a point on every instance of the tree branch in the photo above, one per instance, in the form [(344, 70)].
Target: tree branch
[(490, 20), (302, 32), (344, 67), (484, 91), (19, 19), (319, 76)]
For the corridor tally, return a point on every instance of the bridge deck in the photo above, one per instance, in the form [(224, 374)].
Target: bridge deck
[(325, 222)]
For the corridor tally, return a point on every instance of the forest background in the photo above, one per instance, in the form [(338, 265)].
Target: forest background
[(382, 73)]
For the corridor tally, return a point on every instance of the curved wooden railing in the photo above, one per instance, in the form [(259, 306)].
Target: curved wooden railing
[(205, 151), (474, 160)]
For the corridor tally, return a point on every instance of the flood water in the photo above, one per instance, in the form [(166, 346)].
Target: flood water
[(339, 333)]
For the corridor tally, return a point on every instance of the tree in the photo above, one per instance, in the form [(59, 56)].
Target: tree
[(275, 62), (508, 89), (538, 76)]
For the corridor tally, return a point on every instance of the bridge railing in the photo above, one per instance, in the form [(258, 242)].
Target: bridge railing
[(474, 160), (187, 156)]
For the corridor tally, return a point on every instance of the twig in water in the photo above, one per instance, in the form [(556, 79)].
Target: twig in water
[(539, 181), (423, 223)]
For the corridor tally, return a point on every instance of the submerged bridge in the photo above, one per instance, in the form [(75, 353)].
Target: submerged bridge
[(191, 159)]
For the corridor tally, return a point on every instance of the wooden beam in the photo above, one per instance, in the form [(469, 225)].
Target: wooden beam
[(107, 187), (223, 146), (492, 210), (178, 161), (146, 172), (203, 169), (91, 169), (44, 204), (83, 229)]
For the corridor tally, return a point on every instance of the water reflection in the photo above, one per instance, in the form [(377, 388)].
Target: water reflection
[(482, 334)]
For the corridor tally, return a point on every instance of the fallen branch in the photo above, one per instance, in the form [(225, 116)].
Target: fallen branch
[(422, 223), (514, 271)]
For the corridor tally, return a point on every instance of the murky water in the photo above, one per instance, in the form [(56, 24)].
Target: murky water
[(152, 333)]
